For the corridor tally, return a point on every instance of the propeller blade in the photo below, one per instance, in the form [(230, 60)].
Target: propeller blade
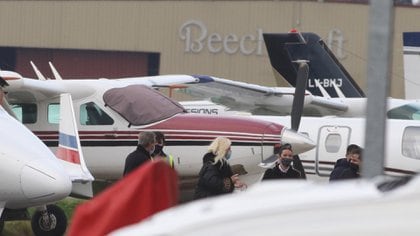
[(297, 108)]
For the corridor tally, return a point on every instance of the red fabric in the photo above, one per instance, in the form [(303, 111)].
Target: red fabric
[(150, 188)]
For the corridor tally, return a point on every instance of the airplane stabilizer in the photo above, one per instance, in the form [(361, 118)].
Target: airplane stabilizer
[(69, 150), (324, 67)]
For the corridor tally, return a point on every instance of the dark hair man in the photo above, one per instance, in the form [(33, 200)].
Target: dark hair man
[(348, 167)]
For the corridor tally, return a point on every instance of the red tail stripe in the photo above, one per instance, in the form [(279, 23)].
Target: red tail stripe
[(68, 155)]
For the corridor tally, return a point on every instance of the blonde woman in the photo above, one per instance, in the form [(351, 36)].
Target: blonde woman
[(216, 176)]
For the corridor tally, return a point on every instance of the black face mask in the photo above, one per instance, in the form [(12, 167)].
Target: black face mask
[(158, 150), (286, 162), (354, 166)]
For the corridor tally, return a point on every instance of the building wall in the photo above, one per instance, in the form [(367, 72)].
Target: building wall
[(82, 64), (162, 26)]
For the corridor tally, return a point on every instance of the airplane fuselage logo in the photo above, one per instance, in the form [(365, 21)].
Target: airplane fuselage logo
[(209, 111), (326, 82), (196, 37)]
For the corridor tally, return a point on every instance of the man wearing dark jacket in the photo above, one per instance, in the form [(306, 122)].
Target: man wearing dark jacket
[(348, 167), (145, 148), (283, 168)]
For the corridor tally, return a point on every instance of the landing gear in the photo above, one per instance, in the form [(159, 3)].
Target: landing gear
[(49, 221)]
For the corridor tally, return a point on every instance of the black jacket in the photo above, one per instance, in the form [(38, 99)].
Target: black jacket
[(343, 170), (136, 159), (214, 179), (276, 173)]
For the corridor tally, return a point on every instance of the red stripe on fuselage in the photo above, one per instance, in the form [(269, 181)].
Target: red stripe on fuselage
[(191, 127)]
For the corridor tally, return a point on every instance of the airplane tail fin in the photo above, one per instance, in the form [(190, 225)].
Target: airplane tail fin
[(285, 49), (411, 59), (69, 150)]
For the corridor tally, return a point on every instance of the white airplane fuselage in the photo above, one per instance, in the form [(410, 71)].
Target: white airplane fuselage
[(332, 135), (105, 147), (30, 174)]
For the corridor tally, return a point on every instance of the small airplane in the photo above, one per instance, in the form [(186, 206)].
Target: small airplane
[(111, 113), (330, 89), (411, 48), (32, 176), (353, 207), (333, 134)]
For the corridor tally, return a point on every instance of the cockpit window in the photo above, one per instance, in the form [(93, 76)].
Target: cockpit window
[(26, 112), (92, 114), (411, 142), (406, 112)]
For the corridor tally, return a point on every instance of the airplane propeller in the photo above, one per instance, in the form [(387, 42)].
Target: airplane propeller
[(297, 107), (296, 114)]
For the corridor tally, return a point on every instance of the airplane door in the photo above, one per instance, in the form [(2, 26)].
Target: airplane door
[(332, 145)]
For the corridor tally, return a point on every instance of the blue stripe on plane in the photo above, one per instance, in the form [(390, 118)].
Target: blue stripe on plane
[(203, 78), (68, 140), (411, 39)]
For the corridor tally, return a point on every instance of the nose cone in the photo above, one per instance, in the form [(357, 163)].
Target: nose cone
[(300, 143), (44, 182)]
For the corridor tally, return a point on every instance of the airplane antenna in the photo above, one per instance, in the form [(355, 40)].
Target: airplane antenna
[(38, 73), (338, 90), (322, 89), (57, 76)]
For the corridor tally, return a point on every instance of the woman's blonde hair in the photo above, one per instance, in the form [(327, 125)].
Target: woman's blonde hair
[(219, 147)]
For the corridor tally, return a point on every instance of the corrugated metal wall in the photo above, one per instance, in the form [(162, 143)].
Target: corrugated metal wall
[(82, 64), (155, 26)]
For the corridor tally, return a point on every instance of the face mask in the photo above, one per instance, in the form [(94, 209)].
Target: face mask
[(228, 154), (354, 166), (157, 150), (286, 162)]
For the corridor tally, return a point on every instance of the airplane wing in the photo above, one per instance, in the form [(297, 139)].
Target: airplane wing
[(153, 81), (69, 150), (259, 99), (22, 89)]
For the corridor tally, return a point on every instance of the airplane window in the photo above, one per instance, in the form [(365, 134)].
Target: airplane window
[(333, 143), (411, 142), (406, 112), (92, 114), (25, 112), (54, 113)]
